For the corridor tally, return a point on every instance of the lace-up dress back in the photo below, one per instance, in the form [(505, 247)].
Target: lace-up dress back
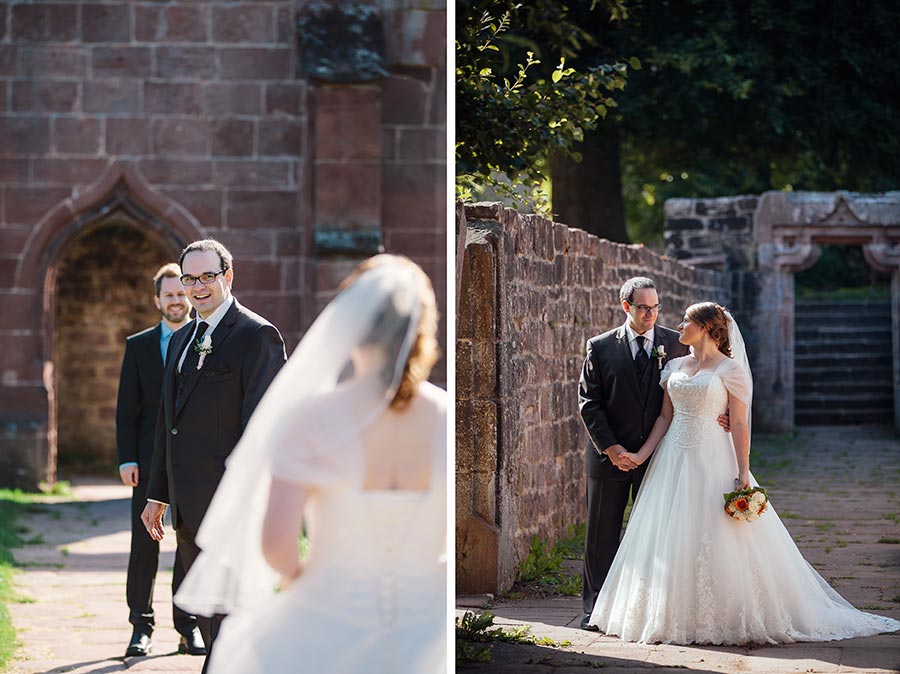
[(372, 596), (685, 571)]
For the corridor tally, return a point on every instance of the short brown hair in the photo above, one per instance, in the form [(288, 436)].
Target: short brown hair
[(225, 258), (711, 317), (425, 351), (169, 270)]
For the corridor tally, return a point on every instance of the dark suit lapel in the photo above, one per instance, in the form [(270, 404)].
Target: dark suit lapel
[(176, 346), (154, 355), (219, 335), (626, 361)]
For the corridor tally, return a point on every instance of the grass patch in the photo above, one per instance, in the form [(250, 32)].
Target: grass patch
[(892, 541), (11, 507), (476, 634), (543, 566)]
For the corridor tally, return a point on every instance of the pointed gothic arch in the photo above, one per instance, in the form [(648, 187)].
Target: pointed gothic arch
[(120, 194)]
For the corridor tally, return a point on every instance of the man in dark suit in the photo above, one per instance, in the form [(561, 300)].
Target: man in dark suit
[(140, 386), (620, 398), (217, 370)]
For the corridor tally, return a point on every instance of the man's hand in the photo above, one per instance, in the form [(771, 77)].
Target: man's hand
[(617, 454), (129, 475), (725, 421), (152, 519)]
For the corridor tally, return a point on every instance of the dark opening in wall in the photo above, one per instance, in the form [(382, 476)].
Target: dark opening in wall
[(104, 293)]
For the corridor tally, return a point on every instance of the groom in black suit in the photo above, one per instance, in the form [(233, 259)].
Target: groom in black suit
[(217, 370), (620, 398), (140, 386)]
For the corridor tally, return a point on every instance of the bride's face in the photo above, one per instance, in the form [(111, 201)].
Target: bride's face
[(691, 332)]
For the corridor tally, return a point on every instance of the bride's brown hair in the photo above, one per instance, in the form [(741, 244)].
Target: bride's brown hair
[(711, 317), (425, 351)]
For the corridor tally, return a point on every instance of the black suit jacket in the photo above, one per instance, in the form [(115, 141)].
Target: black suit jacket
[(140, 392), (194, 439), (609, 397)]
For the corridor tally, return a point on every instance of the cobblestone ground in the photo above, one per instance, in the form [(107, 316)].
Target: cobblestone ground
[(73, 616), (838, 492)]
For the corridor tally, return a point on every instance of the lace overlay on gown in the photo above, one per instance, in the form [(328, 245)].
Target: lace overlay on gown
[(372, 596), (685, 572)]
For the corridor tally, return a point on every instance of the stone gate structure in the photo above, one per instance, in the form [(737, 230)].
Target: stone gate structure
[(762, 242), (532, 293), (303, 134)]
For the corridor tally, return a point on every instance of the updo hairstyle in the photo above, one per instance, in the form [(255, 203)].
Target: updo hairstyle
[(711, 317)]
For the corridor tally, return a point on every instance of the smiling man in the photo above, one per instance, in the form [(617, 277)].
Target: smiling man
[(137, 407), (217, 370)]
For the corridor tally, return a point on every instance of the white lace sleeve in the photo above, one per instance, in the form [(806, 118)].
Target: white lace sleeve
[(672, 366)]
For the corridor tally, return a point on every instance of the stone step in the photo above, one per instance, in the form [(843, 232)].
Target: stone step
[(827, 401), (839, 416), (832, 305), (811, 330), (843, 373), (832, 348), (850, 387), (866, 359)]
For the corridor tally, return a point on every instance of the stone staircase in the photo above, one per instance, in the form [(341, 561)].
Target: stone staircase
[(842, 363)]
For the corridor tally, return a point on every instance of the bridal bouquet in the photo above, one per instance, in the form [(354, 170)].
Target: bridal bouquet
[(746, 505)]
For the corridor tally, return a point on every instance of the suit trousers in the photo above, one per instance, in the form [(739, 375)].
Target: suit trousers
[(606, 503), (188, 552), (143, 562)]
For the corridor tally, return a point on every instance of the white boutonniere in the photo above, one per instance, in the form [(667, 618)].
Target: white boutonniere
[(203, 347), (659, 352)]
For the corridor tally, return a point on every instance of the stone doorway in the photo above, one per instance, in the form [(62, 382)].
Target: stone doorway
[(791, 230), (104, 292), (842, 341)]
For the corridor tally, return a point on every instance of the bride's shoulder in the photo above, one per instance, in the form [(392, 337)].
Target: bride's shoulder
[(433, 397), (680, 362)]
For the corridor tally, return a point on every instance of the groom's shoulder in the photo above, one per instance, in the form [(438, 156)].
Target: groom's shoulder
[(249, 317), (608, 336), (668, 332)]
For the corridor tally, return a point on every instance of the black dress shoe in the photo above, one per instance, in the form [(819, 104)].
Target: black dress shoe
[(140, 642), (192, 643), (585, 625)]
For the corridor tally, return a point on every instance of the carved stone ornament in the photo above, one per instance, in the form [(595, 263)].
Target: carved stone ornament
[(341, 43)]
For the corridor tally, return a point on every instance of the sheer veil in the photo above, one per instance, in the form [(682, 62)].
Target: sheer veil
[(373, 321), (739, 355)]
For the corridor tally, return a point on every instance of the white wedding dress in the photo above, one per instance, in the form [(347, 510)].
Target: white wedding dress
[(685, 571), (372, 596)]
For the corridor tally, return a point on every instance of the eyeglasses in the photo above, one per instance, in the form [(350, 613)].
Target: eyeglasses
[(646, 308), (205, 278)]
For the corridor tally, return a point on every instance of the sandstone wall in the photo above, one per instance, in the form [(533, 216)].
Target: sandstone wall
[(206, 118), (533, 292)]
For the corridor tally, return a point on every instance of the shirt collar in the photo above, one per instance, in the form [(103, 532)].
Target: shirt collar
[(632, 335), (216, 317), (166, 330)]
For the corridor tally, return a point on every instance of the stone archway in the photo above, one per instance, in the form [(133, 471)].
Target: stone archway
[(790, 228), (119, 197)]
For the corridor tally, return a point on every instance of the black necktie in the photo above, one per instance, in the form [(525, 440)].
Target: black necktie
[(641, 359), (191, 358)]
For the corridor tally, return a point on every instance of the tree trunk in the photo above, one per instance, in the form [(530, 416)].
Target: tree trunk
[(588, 194)]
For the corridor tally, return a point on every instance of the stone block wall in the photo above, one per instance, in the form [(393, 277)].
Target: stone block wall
[(532, 293), (199, 119), (712, 232)]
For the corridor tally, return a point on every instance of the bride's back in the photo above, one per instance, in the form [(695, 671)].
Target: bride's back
[(399, 447)]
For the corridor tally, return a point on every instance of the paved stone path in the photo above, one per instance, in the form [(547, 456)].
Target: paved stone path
[(838, 492), (78, 619)]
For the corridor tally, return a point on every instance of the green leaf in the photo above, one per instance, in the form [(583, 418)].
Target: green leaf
[(635, 62), (556, 76)]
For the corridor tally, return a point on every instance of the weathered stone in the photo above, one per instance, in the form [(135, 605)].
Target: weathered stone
[(356, 27)]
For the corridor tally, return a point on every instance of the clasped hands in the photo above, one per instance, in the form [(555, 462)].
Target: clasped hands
[(624, 460)]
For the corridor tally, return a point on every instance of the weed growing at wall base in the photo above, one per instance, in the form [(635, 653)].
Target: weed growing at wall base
[(10, 506)]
